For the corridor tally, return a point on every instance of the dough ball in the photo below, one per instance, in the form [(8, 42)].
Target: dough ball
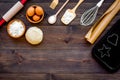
[(34, 35)]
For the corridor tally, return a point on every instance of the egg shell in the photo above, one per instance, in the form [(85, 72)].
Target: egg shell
[(30, 11)]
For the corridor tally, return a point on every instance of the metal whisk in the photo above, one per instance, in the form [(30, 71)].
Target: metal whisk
[(89, 16)]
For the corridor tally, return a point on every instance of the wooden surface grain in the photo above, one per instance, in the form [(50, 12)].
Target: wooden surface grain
[(64, 54)]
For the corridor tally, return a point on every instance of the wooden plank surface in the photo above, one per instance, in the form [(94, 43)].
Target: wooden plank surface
[(64, 54)]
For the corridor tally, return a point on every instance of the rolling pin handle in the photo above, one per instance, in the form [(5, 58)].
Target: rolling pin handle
[(2, 22), (23, 1)]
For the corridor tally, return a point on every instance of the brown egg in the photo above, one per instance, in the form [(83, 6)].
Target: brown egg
[(30, 11), (36, 17), (39, 10)]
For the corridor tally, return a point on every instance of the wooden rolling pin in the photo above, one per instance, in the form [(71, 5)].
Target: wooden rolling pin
[(103, 22), (14, 10)]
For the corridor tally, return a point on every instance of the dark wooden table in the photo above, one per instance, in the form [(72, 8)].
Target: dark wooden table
[(64, 54)]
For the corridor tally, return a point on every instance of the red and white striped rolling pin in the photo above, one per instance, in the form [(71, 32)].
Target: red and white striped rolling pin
[(13, 11)]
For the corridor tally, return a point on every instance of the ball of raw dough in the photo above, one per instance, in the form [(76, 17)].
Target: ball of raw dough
[(34, 35)]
